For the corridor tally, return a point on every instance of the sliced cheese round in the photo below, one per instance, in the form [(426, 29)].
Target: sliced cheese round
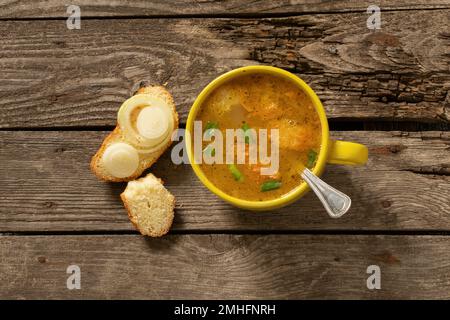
[(152, 123), (121, 160), (146, 122)]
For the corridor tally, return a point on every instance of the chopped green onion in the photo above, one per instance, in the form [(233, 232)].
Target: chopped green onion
[(270, 185), (312, 157), (211, 125), (246, 127), (238, 176), (210, 151), (209, 128)]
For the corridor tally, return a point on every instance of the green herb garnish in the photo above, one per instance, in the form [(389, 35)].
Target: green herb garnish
[(209, 129), (211, 125), (238, 176), (210, 151), (312, 157), (246, 127), (270, 185)]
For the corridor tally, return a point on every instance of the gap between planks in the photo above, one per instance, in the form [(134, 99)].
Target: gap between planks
[(368, 233), (333, 124), (100, 9), (236, 15)]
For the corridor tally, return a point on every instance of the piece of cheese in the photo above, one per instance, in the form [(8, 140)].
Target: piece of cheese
[(153, 124), (120, 160)]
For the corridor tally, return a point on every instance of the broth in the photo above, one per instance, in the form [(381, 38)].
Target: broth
[(262, 101)]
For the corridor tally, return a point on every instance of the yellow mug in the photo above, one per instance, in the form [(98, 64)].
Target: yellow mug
[(331, 151)]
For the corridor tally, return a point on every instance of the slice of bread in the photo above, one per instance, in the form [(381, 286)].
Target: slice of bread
[(145, 160), (150, 205)]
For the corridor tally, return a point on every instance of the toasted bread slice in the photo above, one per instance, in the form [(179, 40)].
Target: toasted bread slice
[(150, 205), (117, 136)]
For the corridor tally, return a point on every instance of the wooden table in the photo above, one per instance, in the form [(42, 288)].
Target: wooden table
[(60, 90)]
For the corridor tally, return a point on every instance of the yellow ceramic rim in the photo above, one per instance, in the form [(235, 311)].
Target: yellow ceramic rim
[(294, 194)]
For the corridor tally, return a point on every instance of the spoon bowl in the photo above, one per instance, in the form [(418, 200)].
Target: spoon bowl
[(335, 202)]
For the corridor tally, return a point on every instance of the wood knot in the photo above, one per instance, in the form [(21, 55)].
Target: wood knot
[(42, 259), (60, 43), (60, 150), (383, 39), (396, 148), (386, 257), (48, 204), (386, 203), (386, 150)]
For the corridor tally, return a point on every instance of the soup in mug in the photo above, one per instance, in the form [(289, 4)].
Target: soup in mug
[(262, 101)]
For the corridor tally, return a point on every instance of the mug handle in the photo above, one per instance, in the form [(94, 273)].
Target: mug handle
[(348, 153)]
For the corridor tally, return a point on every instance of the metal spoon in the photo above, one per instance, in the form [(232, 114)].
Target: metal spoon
[(335, 202)]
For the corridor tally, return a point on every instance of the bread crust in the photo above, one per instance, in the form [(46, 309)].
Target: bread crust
[(116, 135)]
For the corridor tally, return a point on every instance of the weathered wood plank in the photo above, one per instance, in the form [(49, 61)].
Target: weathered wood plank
[(47, 186), (59, 77), (103, 8), (250, 267)]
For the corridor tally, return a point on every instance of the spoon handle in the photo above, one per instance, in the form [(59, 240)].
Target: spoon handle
[(335, 202)]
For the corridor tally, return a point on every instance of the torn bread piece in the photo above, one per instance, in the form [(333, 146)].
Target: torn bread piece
[(145, 124), (150, 205)]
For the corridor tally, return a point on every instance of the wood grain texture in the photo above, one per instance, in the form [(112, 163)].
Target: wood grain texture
[(250, 267), (59, 77), (47, 186), (103, 8)]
